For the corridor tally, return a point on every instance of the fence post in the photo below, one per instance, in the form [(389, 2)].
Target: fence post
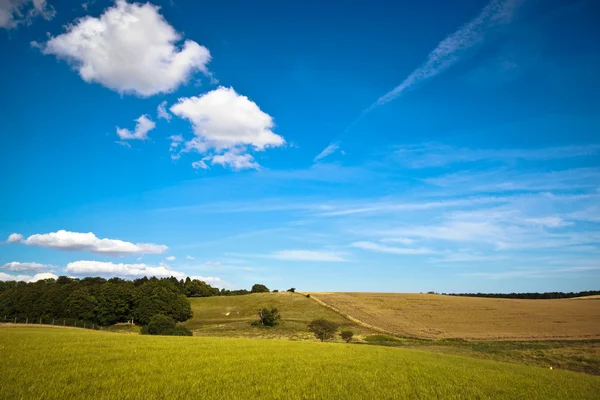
[(52, 321), (26, 320), (92, 326), (64, 322), (84, 325)]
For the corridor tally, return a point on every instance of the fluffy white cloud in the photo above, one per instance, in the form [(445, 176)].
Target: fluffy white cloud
[(87, 268), (190, 258), (27, 278), (14, 238), (307, 255), (380, 248), (130, 48), (76, 241), (211, 280), (143, 126), (171, 258), (226, 125), (15, 12), (161, 111), (25, 266)]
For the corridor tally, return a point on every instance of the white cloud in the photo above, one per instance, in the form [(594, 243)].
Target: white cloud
[(75, 241), (130, 48), (190, 258), (14, 238), (327, 151), (234, 161), (15, 12), (307, 255), (161, 111), (171, 258), (27, 278), (87, 268), (390, 249), (211, 280), (25, 266), (143, 126), (453, 48), (226, 126), (200, 164)]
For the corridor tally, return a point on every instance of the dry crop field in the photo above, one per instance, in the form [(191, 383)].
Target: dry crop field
[(440, 317)]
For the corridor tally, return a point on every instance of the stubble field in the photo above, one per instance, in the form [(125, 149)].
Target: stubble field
[(442, 317)]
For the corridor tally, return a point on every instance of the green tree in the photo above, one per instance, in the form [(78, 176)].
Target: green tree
[(160, 297), (258, 288), (347, 336), (81, 305), (293, 290), (269, 316), (323, 329)]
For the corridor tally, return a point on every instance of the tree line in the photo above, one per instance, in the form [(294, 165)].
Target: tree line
[(534, 295), (104, 301)]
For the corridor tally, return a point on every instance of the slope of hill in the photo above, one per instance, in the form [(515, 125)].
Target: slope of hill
[(233, 315), (74, 363), (438, 316)]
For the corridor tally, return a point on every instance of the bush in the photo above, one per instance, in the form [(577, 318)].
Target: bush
[(258, 288), (347, 336), (293, 290), (159, 324), (323, 329), (180, 330), (164, 325), (308, 296), (275, 291), (268, 316)]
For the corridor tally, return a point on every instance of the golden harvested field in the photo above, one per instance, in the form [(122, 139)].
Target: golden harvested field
[(442, 317)]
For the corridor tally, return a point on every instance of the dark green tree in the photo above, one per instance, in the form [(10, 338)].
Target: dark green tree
[(323, 329), (347, 336), (258, 288), (269, 316)]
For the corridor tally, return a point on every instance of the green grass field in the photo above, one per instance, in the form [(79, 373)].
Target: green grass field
[(61, 363), (231, 316)]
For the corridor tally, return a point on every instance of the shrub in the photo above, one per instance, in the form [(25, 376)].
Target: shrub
[(308, 296), (275, 291), (159, 324), (347, 336), (323, 329), (269, 316), (293, 290), (258, 288)]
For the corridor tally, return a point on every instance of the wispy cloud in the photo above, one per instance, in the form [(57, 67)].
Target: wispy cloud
[(454, 47), (437, 154), (332, 148), (380, 248), (307, 255)]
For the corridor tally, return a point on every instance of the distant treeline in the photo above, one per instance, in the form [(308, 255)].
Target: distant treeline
[(546, 295), (101, 301)]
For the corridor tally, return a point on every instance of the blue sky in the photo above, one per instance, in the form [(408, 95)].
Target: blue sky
[(371, 147)]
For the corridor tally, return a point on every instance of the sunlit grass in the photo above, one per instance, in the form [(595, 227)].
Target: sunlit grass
[(47, 363)]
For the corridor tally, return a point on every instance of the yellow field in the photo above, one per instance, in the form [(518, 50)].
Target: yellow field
[(438, 316)]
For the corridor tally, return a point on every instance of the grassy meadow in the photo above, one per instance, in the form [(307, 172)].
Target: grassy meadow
[(443, 317), (232, 316), (53, 363)]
